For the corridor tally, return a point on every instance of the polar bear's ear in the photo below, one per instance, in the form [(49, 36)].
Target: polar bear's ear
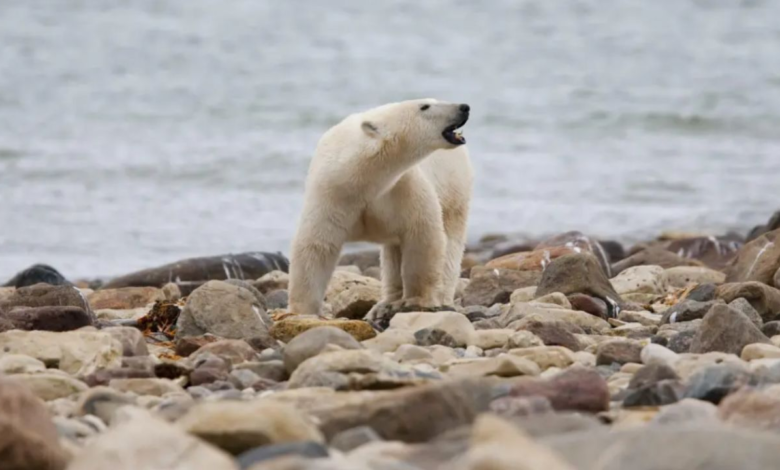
[(371, 130)]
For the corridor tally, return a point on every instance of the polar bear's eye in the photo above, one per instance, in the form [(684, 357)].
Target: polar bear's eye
[(424, 107)]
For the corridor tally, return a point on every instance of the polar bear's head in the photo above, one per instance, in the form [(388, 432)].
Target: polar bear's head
[(426, 125)]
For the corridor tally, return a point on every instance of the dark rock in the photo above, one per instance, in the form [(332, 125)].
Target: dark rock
[(476, 312), (714, 252), (664, 392), (312, 342), (36, 274), (306, 449), (277, 299), (509, 247), (619, 351), (226, 388), (494, 286), (651, 374), (47, 318), (765, 299), (614, 250), (656, 339), (714, 383), (351, 439), (198, 270), (742, 305), (592, 305), (577, 274), (668, 447), (362, 259), (726, 330), (224, 310), (556, 333), (757, 261), (686, 310), (575, 389), (45, 295), (189, 344), (434, 336), (702, 293), (682, 341), (29, 437), (771, 328), (655, 256), (771, 225), (171, 370)]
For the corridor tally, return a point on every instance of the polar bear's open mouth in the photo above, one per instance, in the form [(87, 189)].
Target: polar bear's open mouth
[(451, 133)]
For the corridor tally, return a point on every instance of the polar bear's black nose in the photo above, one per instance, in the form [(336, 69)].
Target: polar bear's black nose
[(464, 108)]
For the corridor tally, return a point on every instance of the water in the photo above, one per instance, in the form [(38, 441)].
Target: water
[(134, 133)]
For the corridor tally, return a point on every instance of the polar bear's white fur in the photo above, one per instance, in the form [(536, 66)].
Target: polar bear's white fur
[(398, 175)]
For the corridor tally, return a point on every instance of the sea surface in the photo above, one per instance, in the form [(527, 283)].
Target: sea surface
[(138, 132)]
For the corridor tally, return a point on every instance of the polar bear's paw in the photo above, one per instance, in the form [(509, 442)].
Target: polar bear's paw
[(381, 313)]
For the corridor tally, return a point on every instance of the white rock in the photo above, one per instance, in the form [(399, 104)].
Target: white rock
[(525, 294), (51, 385), (657, 354), (547, 356), (455, 324), (755, 351), (683, 276), (641, 280), (20, 364), (389, 340), (142, 442), (490, 339), (79, 352)]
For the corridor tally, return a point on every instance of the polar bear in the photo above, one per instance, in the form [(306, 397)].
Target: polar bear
[(398, 175)]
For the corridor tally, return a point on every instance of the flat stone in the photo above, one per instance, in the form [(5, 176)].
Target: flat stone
[(641, 280), (546, 356), (19, 364), (233, 426), (125, 298), (153, 387), (684, 276), (503, 365), (50, 386), (313, 341), (454, 324), (50, 318), (618, 351)]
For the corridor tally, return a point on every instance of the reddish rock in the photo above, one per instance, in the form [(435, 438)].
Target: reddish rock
[(579, 273), (714, 252), (758, 260), (580, 243), (619, 351), (592, 305), (535, 260), (48, 318), (765, 299), (576, 389), (28, 437), (189, 344), (125, 298), (104, 376), (45, 295), (752, 409), (490, 286)]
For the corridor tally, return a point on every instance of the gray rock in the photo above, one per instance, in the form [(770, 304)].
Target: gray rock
[(353, 438), (687, 310), (687, 411), (133, 342), (102, 402), (277, 299), (670, 447), (727, 330), (306, 449), (713, 383), (490, 286), (742, 305), (223, 310), (660, 393), (312, 342), (702, 293)]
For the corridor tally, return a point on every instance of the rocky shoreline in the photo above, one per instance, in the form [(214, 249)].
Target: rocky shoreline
[(563, 353)]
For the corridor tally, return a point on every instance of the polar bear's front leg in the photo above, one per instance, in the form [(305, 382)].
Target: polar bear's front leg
[(392, 282), (422, 258), (315, 252)]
